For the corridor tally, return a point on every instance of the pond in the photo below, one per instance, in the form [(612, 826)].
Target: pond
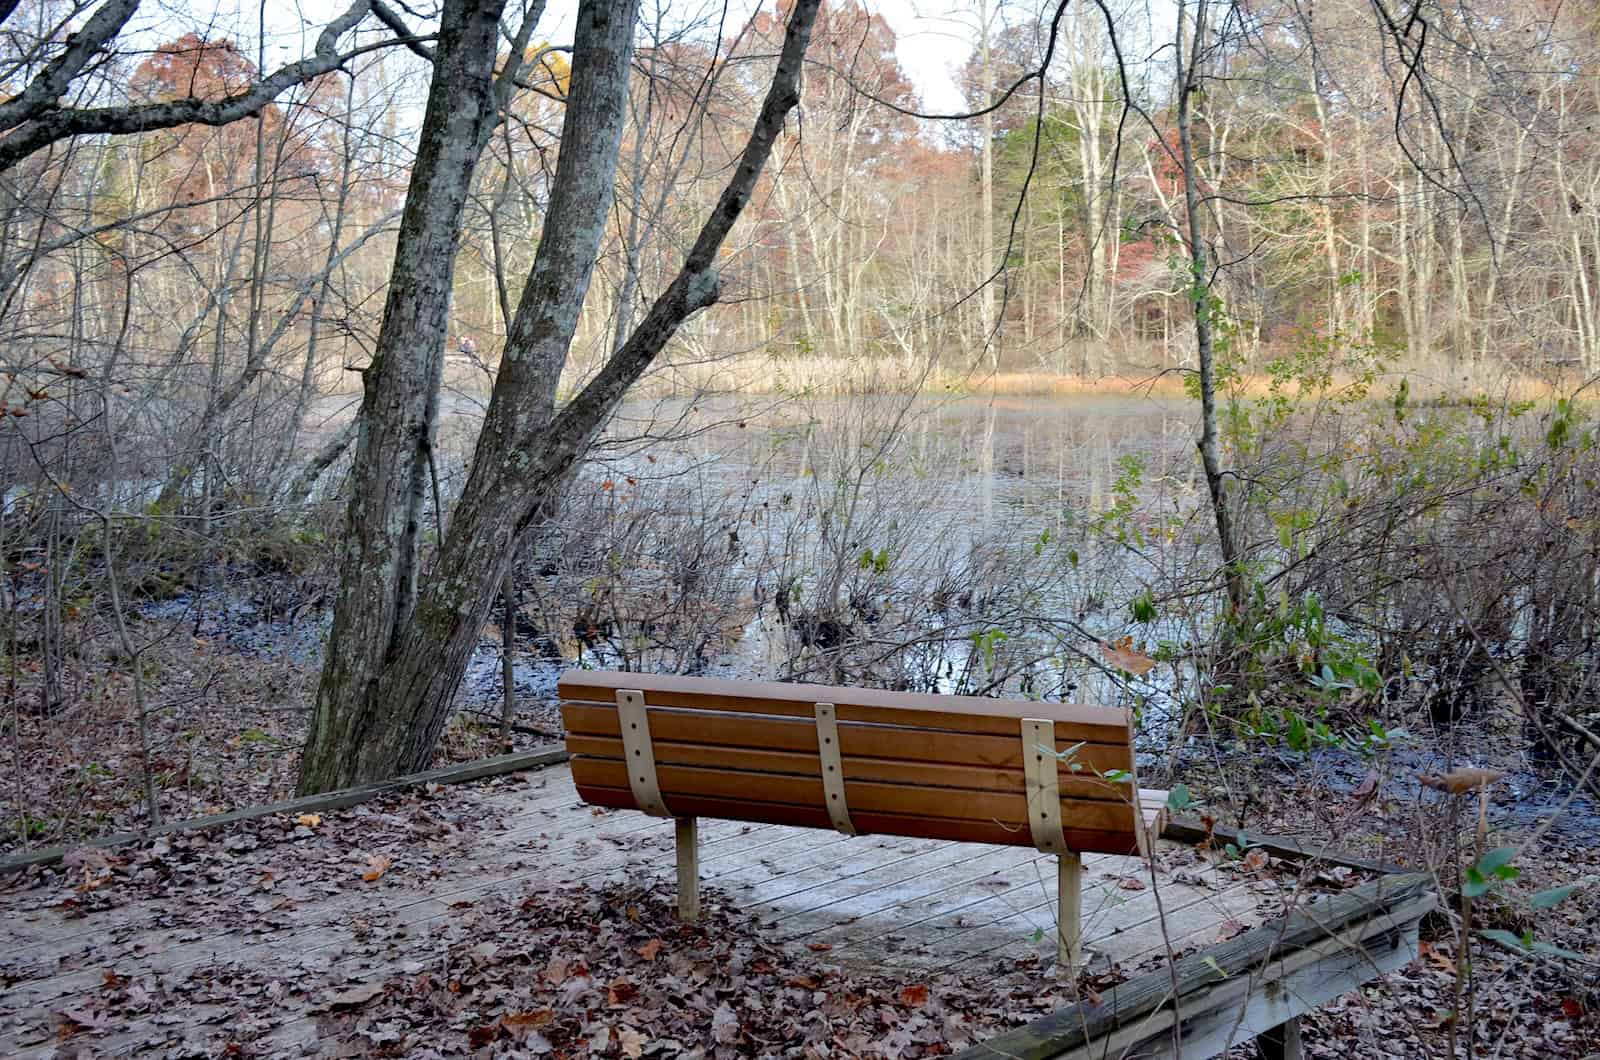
[(961, 544)]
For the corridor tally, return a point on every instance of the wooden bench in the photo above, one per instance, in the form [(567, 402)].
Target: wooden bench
[(1049, 775)]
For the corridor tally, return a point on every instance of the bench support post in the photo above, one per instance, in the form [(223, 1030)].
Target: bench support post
[(688, 837), (1069, 915), (1281, 1042)]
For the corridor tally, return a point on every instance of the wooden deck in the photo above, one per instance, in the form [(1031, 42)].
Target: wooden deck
[(882, 901)]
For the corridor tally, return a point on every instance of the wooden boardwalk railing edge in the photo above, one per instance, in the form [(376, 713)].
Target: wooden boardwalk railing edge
[(460, 773), (1331, 946), (1193, 830)]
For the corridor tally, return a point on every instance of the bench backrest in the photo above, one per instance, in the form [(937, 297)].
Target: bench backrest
[(945, 767)]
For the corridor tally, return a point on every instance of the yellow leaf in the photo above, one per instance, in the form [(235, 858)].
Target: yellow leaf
[(1460, 781), (377, 865), (1123, 657), (310, 820)]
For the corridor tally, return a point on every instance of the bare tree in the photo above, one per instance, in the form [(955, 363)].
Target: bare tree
[(396, 657)]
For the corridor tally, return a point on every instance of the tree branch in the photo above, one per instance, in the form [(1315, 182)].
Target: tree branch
[(697, 285), (36, 126)]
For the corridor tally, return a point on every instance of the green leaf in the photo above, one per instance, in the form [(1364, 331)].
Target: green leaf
[(1178, 798), (1477, 884), (1038, 935), (1496, 859), (1554, 896), (1143, 608), (1211, 962), (1298, 737), (1504, 938), (1552, 950)]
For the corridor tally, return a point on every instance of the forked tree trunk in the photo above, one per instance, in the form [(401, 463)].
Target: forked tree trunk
[(381, 708), (400, 390)]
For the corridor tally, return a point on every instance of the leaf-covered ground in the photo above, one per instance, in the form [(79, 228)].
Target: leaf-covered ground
[(291, 936), (576, 971), (225, 727), (604, 971), (1528, 1006)]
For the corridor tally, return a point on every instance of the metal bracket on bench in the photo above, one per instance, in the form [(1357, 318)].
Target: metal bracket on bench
[(639, 752), (1039, 767), (832, 769)]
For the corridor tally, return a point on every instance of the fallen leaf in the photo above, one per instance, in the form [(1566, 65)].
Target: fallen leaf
[(479, 1037), (1122, 655), (355, 996), (914, 996), (652, 949), (524, 1021), (724, 1025), (1460, 781), (1426, 952), (1131, 883), (1367, 787), (87, 858), (308, 820), (819, 947), (377, 865), (76, 1019), (1255, 859), (1230, 928)]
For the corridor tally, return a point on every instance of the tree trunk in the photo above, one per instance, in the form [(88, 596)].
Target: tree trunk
[(387, 704), (1203, 302), (988, 340), (400, 392)]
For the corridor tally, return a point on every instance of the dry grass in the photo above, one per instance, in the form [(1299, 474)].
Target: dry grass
[(836, 376), (822, 375)]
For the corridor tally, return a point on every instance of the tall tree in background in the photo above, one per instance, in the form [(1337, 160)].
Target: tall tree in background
[(396, 656), (1203, 301)]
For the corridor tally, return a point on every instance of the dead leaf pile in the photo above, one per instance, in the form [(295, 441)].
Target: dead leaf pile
[(577, 972)]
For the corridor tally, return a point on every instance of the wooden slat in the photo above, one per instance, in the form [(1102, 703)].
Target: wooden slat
[(795, 734), (883, 770), (944, 713), (1008, 808), (868, 822)]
